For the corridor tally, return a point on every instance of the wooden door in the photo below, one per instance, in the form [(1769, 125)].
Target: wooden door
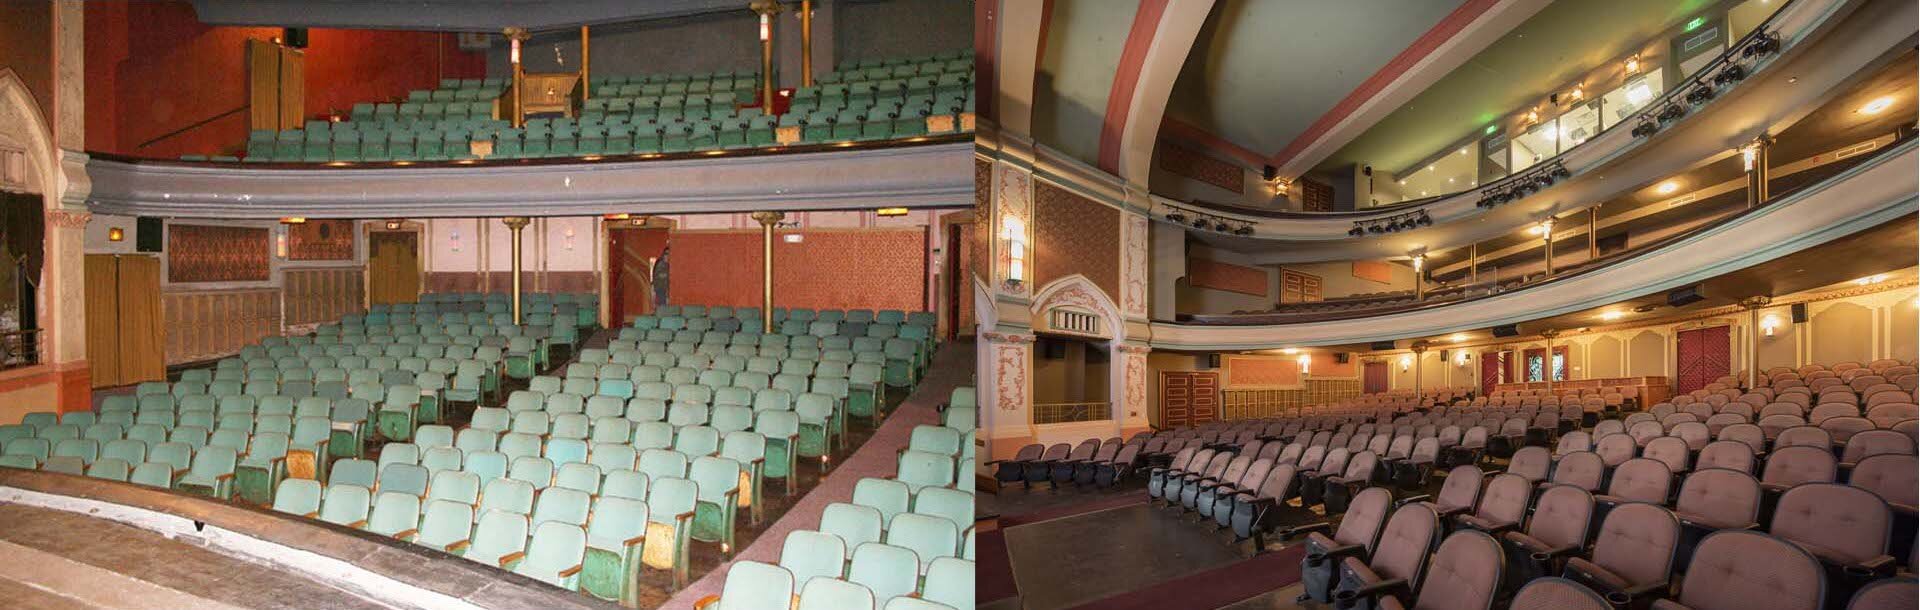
[(953, 283), (143, 337), (1703, 355), (1374, 380), (393, 267), (1189, 398), (1492, 367), (630, 271)]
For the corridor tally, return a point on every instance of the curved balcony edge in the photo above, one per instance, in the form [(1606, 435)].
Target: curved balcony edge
[(922, 176), (1861, 198)]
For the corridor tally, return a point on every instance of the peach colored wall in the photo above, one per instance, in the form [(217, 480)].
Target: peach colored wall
[(833, 269)]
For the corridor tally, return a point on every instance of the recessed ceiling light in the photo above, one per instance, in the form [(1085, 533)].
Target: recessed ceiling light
[(1667, 188), (1290, 350), (1612, 315), (1871, 279), (1457, 337), (1877, 105)]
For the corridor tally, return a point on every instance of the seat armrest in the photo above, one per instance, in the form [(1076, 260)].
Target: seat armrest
[(509, 559), (1635, 593), (571, 571), (458, 546), (359, 525), (1411, 499), (704, 602), (406, 534), (633, 541), (1325, 528)]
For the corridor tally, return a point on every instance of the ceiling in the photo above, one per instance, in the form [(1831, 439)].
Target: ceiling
[(448, 15), (1262, 71), (1074, 77), (1558, 44)]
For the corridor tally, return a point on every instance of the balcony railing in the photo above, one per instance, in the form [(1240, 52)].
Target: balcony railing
[(1070, 412), (20, 348)]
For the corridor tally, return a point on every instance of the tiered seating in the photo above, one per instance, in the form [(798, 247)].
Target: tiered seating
[(900, 543), (875, 100), (1621, 508)]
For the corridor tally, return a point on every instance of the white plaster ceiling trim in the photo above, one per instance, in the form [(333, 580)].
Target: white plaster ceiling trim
[(1173, 39)]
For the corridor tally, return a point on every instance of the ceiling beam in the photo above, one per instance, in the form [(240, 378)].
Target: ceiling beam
[(1153, 78), (1016, 60), (1453, 41)]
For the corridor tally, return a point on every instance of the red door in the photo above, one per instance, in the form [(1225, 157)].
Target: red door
[(1492, 364), (1703, 355), (1375, 379), (1189, 398)]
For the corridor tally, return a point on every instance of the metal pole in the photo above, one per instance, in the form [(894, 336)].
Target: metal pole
[(767, 9), (586, 83), (1593, 233), (515, 38), (1757, 155), (1753, 305), (1473, 263), (806, 43), (767, 221), (515, 224)]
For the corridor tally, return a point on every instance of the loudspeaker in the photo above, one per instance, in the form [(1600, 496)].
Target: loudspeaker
[(1689, 295), (1799, 313), (1210, 361), (1340, 357), (1381, 346), (1445, 355), (1269, 172), (148, 232), (1508, 330), (295, 37)]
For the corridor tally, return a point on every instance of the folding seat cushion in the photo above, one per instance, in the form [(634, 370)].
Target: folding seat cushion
[(1556, 594), (211, 474), (929, 537), (613, 548), (298, 497), (1638, 480), (510, 495), (671, 505), (809, 554), (345, 505), (1585, 470), (1466, 573), (1402, 552), (1557, 530), (1531, 463), (1633, 554), (1356, 536), (395, 514), (445, 525), (1741, 570)]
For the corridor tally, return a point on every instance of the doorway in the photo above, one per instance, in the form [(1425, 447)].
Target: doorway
[(1189, 398), (1070, 380), (955, 280), (631, 253), (393, 267), (1703, 355), (1374, 378)]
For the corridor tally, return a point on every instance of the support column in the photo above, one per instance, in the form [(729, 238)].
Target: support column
[(1419, 353), (1473, 263), (586, 55), (1420, 277), (1753, 305), (1549, 334), (515, 38), (1756, 157), (63, 309), (1593, 232), (767, 9), (767, 222), (515, 224), (1546, 238), (806, 43)]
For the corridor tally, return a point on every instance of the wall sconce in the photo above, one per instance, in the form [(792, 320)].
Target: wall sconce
[(293, 220), (1015, 232), (1769, 324), (1419, 263), (1633, 65), (280, 243), (1406, 362), (1748, 155), (453, 240), (766, 26), (1544, 229), (1460, 357), (116, 234), (1306, 362), (885, 212), (567, 239), (793, 238)]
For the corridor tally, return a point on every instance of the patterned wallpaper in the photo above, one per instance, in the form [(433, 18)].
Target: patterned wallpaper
[(1191, 164), (199, 253), (1073, 234), (831, 269), (982, 196), (1203, 273), (1374, 271), (1260, 372), (320, 240)]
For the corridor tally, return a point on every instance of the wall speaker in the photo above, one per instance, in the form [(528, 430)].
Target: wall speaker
[(1210, 361), (148, 232), (1381, 346), (1507, 330), (1340, 357), (1446, 355), (1799, 313), (295, 38), (1688, 295)]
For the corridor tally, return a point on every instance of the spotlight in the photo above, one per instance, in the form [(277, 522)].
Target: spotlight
[(1176, 217), (1700, 95), (1560, 171), (1244, 230), (1765, 45), (1671, 112), (1376, 229), (1646, 129), (1220, 225), (1199, 223), (1425, 221), (1356, 231), (1732, 74)]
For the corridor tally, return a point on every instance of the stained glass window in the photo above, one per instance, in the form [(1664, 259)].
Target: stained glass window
[(1536, 368)]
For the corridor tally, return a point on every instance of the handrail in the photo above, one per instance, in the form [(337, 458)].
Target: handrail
[(19, 348), (1566, 274), (1667, 98), (1071, 412)]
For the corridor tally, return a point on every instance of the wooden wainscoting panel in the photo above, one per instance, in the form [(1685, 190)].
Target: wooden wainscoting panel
[(206, 325), (323, 295)]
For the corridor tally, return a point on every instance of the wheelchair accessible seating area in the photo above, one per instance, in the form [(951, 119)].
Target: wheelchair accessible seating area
[(1796, 494), (446, 425), (868, 100)]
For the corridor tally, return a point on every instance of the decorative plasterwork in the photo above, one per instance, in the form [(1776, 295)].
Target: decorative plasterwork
[(1012, 363), (1133, 265), (933, 175), (68, 219), (1865, 196), (1077, 292), (1012, 206)]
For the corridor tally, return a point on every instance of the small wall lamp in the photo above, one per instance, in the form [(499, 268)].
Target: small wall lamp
[(116, 234)]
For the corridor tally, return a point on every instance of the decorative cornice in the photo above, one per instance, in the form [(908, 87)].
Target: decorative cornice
[(1128, 348), (68, 219), (1006, 337)]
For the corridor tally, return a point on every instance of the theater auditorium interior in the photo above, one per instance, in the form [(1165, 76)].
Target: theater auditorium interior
[(1447, 305), (486, 305)]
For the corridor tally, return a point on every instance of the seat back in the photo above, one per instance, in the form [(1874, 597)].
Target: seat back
[(1561, 516), (1846, 524), (1405, 543), (1465, 572), (1741, 570), (1720, 498), (1641, 480), (1637, 542)]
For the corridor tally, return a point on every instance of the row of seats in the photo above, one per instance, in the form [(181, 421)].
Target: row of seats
[(852, 562)]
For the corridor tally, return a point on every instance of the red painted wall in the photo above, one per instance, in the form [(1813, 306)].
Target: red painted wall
[(26, 48), (174, 86), (828, 269)]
